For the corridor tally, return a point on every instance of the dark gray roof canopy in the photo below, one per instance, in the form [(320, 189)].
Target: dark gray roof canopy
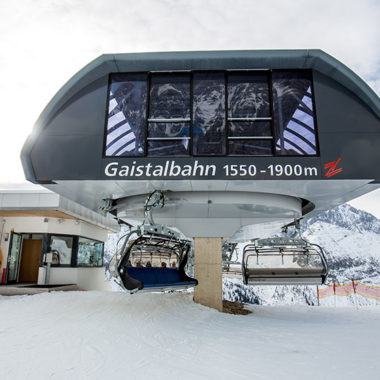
[(67, 143)]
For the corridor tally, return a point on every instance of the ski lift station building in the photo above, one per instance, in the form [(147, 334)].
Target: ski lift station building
[(35, 221), (232, 138)]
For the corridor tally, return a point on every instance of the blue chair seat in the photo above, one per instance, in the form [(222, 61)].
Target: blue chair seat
[(158, 277)]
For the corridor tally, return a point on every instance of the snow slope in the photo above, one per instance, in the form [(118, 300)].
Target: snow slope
[(99, 335)]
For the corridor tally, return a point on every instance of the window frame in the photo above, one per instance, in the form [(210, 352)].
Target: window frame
[(188, 121), (73, 249), (86, 265), (110, 75), (310, 74), (74, 252), (224, 73), (269, 119)]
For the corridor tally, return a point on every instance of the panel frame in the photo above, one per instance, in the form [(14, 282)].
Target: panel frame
[(170, 120), (226, 72), (269, 119), (110, 75), (310, 73)]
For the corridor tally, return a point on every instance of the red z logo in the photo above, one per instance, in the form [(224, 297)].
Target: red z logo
[(331, 166)]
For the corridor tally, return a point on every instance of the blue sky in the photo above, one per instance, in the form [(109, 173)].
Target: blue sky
[(44, 42)]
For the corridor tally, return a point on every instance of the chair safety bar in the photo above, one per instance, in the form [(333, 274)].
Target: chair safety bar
[(295, 263)]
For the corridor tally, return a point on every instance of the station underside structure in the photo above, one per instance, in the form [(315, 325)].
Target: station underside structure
[(232, 138)]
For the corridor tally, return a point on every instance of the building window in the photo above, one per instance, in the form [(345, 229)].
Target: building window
[(209, 115), (126, 115), (63, 245), (90, 252), (169, 115), (293, 113), (249, 114)]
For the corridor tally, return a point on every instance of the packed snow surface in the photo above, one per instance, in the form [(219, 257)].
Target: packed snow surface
[(113, 335)]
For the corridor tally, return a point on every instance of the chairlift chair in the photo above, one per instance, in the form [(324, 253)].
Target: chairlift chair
[(231, 267), (283, 261), (154, 243)]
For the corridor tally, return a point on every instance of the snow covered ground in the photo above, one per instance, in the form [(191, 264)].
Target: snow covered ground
[(95, 335)]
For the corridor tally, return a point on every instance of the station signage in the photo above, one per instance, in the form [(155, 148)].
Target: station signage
[(214, 168)]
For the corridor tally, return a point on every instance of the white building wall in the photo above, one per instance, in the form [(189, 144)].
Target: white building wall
[(85, 278), (36, 225), (20, 199)]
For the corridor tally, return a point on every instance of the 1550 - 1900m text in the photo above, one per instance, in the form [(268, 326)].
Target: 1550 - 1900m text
[(271, 170)]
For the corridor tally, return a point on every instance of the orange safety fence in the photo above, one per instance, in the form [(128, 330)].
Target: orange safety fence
[(368, 291), (355, 287), (325, 292)]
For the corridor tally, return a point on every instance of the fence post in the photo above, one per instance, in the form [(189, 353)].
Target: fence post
[(318, 294), (355, 299), (334, 294)]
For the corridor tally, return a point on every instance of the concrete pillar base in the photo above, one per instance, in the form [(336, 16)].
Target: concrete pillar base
[(208, 272)]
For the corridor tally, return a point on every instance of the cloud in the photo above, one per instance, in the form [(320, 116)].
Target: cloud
[(43, 43)]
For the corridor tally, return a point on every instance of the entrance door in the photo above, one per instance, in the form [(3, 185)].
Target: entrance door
[(14, 257), (30, 260)]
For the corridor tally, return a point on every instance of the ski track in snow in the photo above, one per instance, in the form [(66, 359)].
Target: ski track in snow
[(113, 335)]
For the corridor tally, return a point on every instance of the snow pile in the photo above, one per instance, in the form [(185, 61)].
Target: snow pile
[(95, 335)]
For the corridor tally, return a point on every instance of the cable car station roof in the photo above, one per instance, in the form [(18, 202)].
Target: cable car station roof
[(296, 124)]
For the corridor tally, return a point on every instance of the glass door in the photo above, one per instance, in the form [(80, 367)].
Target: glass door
[(14, 257)]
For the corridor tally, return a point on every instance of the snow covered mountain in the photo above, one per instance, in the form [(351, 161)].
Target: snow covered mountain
[(351, 240)]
